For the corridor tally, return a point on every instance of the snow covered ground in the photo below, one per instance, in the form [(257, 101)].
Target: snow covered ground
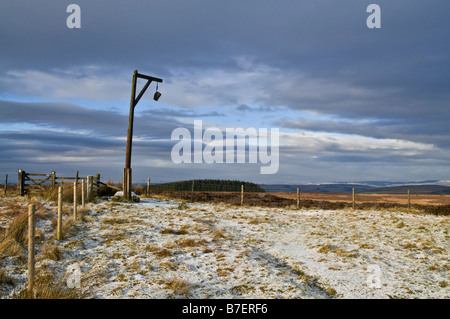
[(165, 249)]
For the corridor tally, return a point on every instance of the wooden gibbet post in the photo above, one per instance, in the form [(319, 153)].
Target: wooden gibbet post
[(31, 247), (192, 192), (60, 212), (353, 198), (242, 195), (148, 186), (127, 179), (75, 199), (298, 198), (126, 184)]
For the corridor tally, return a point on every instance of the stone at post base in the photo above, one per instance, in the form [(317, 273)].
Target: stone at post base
[(118, 196)]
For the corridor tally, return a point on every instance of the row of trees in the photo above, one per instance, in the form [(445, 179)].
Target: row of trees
[(207, 185)]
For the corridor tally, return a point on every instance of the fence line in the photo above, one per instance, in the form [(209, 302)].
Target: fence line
[(38, 180), (31, 216), (228, 186)]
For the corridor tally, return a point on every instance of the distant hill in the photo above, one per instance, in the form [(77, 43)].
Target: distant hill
[(319, 188), (414, 189), (360, 188)]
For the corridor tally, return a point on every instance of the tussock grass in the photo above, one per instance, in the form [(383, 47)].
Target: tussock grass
[(115, 220), (12, 209), (139, 190), (47, 285), (6, 279), (182, 205), (17, 229), (160, 252), (47, 288), (189, 242), (69, 227), (51, 193), (178, 286), (218, 234), (10, 247), (169, 264), (172, 231), (50, 251), (326, 248), (16, 240)]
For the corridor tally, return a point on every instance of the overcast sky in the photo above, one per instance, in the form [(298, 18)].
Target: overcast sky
[(351, 103)]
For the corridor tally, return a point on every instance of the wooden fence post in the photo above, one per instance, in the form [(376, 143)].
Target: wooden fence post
[(21, 182), (53, 178), (31, 247), (409, 200), (6, 184), (89, 187), (242, 195), (83, 186), (353, 198), (96, 186), (60, 212), (298, 198), (75, 198)]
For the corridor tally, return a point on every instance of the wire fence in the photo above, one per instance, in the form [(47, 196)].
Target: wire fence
[(17, 227), (249, 194)]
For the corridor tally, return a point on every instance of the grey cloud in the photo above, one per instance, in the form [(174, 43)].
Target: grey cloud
[(267, 56), (60, 114), (433, 131), (182, 113), (75, 117)]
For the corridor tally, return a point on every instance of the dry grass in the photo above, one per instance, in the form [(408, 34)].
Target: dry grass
[(160, 252), (17, 229), (169, 264), (326, 248), (225, 270), (50, 251), (16, 240), (5, 279), (172, 231), (47, 288), (12, 209), (189, 242), (10, 247), (115, 220), (69, 227), (178, 286), (182, 206)]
